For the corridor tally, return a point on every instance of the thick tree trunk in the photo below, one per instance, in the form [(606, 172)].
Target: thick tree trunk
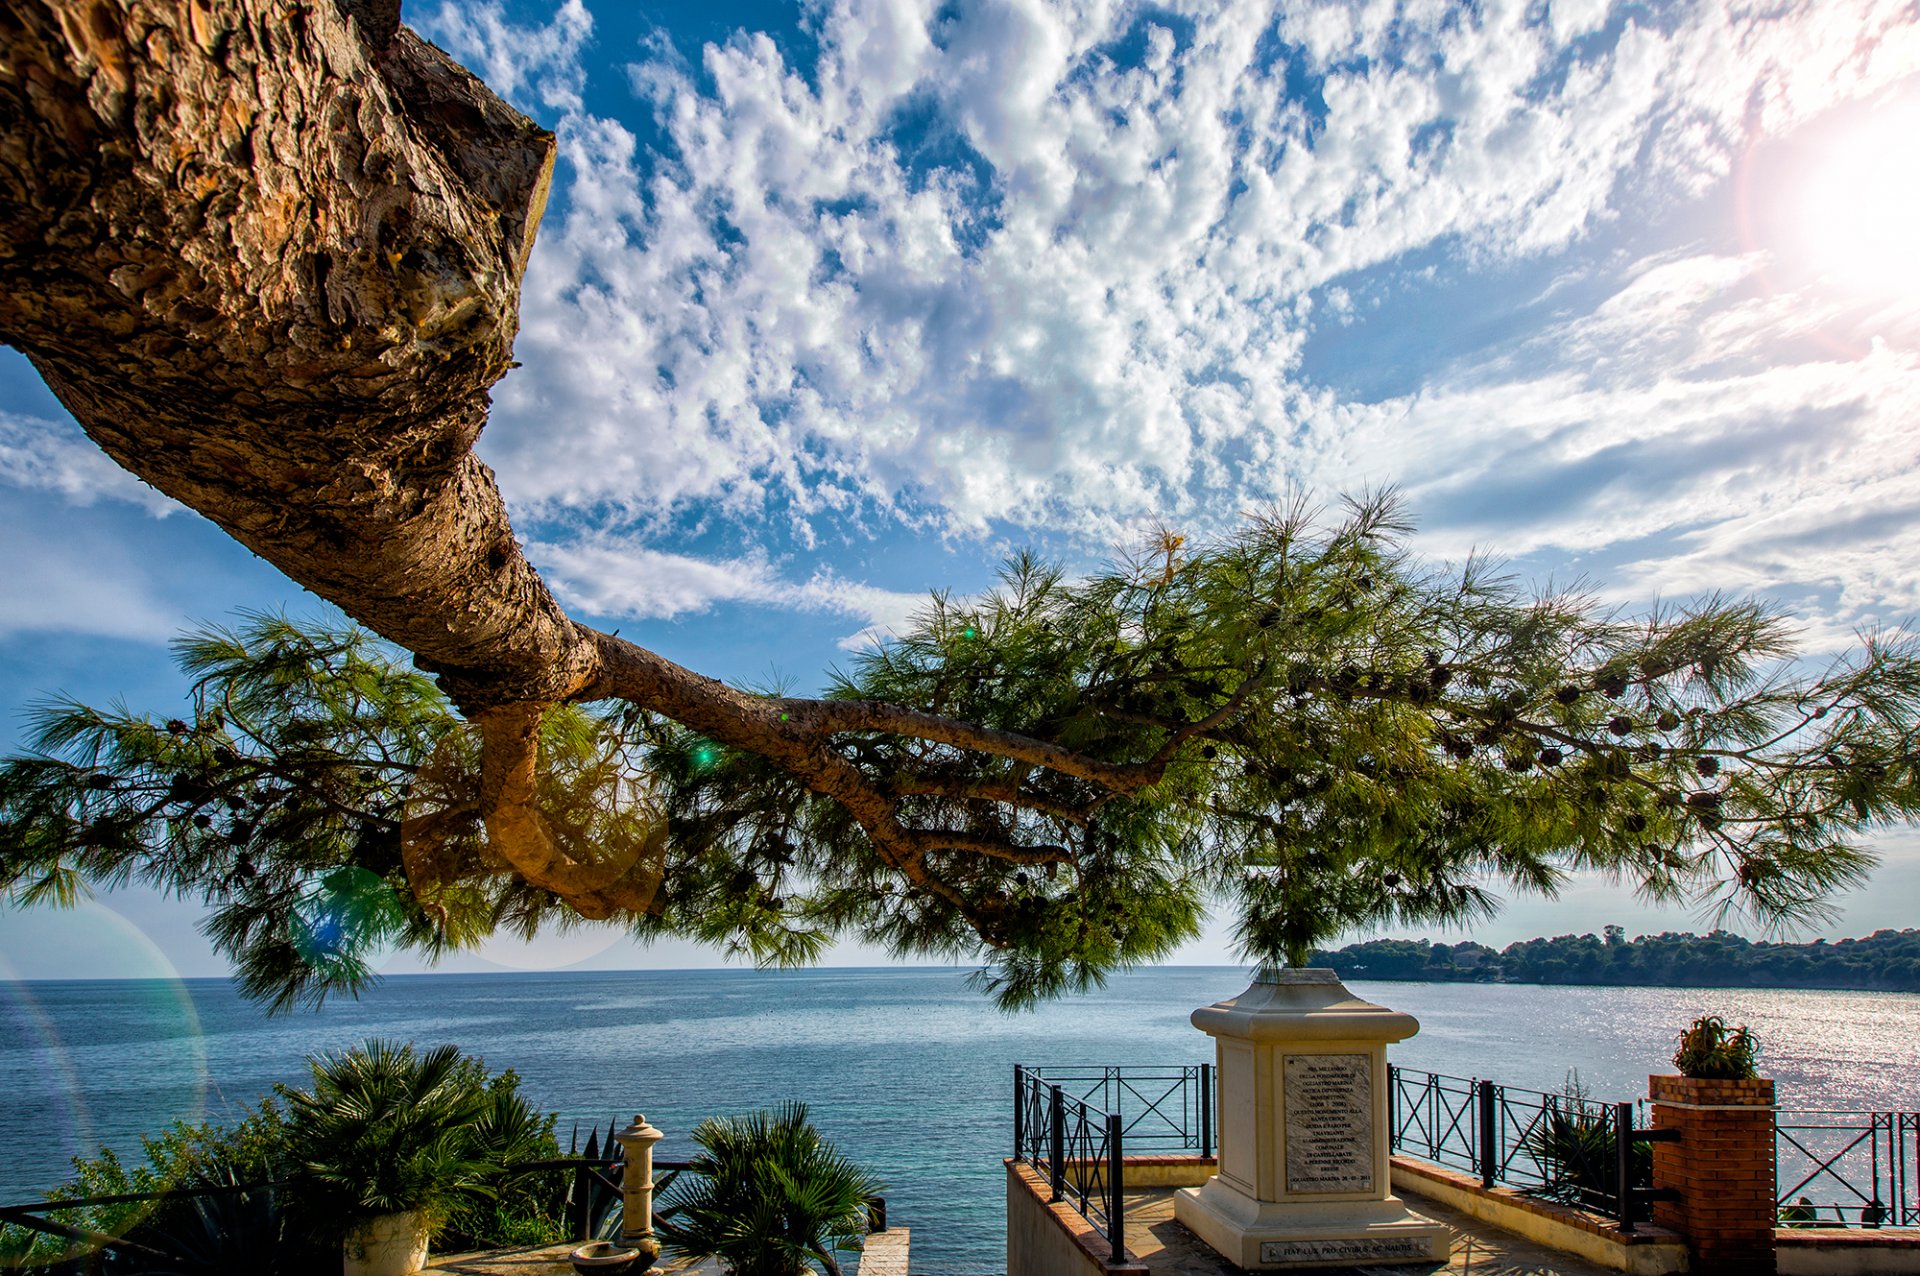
[(269, 255)]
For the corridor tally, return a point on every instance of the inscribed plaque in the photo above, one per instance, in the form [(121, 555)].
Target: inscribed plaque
[(1329, 1105), (1357, 1250)]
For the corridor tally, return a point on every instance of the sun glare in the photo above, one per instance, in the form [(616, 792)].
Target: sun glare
[(1853, 214)]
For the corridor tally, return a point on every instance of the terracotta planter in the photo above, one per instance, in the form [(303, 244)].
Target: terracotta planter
[(391, 1245)]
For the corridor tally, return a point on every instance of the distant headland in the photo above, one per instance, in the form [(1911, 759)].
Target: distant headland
[(1885, 961)]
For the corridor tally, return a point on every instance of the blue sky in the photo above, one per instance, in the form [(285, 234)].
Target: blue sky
[(835, 305)]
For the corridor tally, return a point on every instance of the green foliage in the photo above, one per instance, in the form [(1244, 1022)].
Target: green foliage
[(383, 1128), (1301, 724), (1573, 1144), (515, 1209), (1886, 960), (258, 1230), (386, 1129), (279, 803), (767, 1195), (1710, 1049)]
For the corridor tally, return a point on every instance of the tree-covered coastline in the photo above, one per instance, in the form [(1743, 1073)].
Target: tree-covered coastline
[(1885, 961)]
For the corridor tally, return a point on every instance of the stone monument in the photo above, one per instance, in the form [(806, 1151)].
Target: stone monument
[(1304, 1177)]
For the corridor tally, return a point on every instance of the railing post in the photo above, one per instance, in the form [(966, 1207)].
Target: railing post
[(1489, 1139), (1019, 1112), (1206, 1109), (1057, 1147), (582, 1204), (1393, 1109), (1875, 1213), (1117, 1207), (1623, 1163)]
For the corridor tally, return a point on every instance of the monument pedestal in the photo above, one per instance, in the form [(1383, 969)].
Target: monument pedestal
[(1304, 1172)]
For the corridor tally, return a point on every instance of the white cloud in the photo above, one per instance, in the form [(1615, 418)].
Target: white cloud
[(977, 270), (619, 578), (1070, 284), (54, 456), (1662, 434), (531, 66)]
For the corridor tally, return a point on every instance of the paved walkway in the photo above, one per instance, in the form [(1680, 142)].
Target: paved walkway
[(1479, 1249), (887, 1255), (547, 1260), (1167, 1248)]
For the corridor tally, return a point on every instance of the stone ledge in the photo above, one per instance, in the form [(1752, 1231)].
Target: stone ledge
[(885, 1253), (1847, 1238), (1646, 1251)]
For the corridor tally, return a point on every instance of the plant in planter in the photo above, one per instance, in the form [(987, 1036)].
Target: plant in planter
[(767, 1196), (1709, 1050), (384, 1143)]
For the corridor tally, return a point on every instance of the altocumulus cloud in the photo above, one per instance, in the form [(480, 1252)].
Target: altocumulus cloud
[(1020, 269)]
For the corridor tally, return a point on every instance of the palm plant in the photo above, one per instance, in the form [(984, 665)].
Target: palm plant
[(767, 1196), (385, 1131)]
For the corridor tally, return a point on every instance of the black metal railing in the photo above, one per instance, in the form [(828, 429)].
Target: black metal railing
[(1847, 1168), (1162, 1109), (1566, 1147), (1074, 1123)]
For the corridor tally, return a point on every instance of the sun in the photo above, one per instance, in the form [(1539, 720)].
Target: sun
[(1852, 213)]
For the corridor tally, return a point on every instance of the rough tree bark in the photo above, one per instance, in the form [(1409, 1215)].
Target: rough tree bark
[(269, 255)]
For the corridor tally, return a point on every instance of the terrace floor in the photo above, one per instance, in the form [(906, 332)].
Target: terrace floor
[(1479, 1249)]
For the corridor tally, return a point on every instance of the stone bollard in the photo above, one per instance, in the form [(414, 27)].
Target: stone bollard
[(636, 1188), (1721, 1167)]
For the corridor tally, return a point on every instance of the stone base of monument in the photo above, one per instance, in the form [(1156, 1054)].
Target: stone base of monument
[(1275, 1235)]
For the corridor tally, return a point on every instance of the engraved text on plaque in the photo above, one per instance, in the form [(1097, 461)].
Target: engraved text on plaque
[(1329, 1106)]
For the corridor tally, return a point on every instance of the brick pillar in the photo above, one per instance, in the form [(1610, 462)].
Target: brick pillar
[(1722, 1168)]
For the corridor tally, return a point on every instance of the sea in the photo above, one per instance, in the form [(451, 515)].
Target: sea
[(908, 1070)]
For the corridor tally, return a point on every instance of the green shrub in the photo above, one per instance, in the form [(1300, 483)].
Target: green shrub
[(1710, 1050), (767, 1196), (383, 1128), (519, 1209), (253, 1230), (1573, 1143)]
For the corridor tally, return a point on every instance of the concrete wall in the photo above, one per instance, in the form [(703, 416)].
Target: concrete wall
[(1832, 1251), (1143, 1172), (1646, 1251), (1051, 1239)]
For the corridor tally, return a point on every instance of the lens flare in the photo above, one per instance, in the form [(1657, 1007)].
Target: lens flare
[(132, 1059), (347, 923)]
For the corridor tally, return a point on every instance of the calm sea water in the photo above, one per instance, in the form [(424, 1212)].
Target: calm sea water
[(908, 1070)]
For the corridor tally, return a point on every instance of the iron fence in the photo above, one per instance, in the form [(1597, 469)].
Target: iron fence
[(1566, 1147), (1162, 1109), (1075, 1122), (1847, 1168)]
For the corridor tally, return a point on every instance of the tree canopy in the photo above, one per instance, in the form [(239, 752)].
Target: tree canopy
[(269, 254), (1303, 723)]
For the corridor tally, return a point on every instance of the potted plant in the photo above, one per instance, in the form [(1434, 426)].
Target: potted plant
[(1709, 1050), (767, 1196), (383, 1143)]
